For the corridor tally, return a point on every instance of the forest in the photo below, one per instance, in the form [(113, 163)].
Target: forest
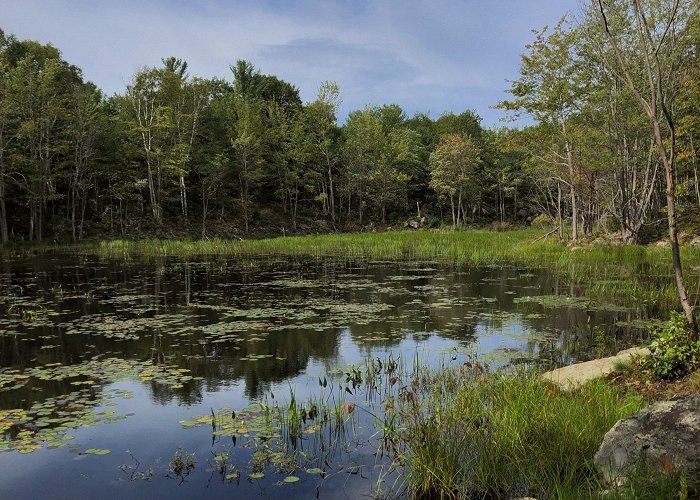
[(612, 114)]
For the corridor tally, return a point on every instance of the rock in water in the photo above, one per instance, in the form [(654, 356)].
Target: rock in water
[(665, 436)]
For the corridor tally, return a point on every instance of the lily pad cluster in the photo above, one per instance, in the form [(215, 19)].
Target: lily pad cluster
[(47, 422)]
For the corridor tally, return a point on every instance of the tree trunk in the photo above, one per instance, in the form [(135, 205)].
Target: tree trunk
[(244, 196), (72, 214), (668, 161), (183, 196), (574, 206), (331, 193), (559, 214), (3, 210), (360, 210), (82, 215), (205, 205), (656, 101), (695, 169)]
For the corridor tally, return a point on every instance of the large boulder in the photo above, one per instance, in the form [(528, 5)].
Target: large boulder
[(665, 436)]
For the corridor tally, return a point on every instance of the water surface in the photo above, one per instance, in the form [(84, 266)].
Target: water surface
[(106, 363)]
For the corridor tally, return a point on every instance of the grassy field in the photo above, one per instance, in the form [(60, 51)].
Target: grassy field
[(628, 275)]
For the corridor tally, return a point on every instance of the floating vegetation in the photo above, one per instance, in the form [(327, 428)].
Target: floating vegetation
[(49, 421), (96, 451), (584, 303), (111, 370)]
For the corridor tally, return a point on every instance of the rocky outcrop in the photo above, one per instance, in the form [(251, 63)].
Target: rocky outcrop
[(664, 436)]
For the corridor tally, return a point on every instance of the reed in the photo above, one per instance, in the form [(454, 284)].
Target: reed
[(630, 274), (512, 435)]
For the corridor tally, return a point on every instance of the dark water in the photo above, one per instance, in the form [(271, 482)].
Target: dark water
[(101, 361)]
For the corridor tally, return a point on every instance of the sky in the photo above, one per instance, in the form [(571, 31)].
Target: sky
[(428, 56)]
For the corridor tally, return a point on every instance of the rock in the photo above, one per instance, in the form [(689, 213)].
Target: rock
[(664, 435), (695, 242), (573, 376), (412, 224)]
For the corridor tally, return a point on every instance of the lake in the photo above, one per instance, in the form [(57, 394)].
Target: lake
[(135, 378)]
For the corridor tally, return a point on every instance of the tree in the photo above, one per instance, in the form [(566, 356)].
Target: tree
[(86, 125), (655, 34), (141, 102), (38, 82), (452, 168), (321, 122), (362, 149), (549, 89), (245, 135), (7, 113)]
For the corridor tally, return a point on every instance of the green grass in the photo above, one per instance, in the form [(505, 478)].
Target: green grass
[(629, 275), (514, 435)]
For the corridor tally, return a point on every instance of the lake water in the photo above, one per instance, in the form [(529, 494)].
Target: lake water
[(110, 370)]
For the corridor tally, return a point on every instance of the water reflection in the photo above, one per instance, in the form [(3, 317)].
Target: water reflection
[(146, 344), (262, 322)]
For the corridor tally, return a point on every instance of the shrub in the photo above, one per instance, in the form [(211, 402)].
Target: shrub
[(501, 226), (542, 220), (674, 351)]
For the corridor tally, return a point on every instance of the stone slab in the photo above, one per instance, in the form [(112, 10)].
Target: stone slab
[(573, 376)]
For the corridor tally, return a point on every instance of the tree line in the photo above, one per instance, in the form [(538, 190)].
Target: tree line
[(613, 93), (174, 149)]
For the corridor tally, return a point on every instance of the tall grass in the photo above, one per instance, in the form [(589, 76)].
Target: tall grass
[(514, 435), (630, 274), (627, 274)]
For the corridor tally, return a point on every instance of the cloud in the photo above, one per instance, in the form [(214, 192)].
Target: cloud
[(424, 55)]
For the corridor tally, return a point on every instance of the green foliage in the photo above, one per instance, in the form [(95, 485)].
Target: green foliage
[(542, 220), (674, 350), (453, 167), (174, 148)]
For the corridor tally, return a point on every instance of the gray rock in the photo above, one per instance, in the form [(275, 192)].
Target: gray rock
[(665, 436)]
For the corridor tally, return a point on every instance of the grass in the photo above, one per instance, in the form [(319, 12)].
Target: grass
[(514, 435), (630, 274), (466, 432)]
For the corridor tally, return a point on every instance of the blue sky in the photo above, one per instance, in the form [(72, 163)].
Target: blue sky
[(430, 56)]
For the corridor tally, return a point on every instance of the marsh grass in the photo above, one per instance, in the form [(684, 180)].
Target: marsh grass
[(630, 274), (513, 435), (458, 431)]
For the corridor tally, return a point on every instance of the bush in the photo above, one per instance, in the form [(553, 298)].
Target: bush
[(674, 350), (542, 220), (501, 226)]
